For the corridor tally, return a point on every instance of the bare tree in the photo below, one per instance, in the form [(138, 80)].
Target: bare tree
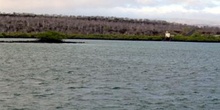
[(28, 22)]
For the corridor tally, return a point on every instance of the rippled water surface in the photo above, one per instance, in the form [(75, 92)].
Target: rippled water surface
[(110, 75)]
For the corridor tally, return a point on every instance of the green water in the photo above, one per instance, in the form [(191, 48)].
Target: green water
[(110, 75)]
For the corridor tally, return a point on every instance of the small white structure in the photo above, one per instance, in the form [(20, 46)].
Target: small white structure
[(167, 34)]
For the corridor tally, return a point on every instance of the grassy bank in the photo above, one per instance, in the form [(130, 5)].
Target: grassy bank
[(115, 37), (59, 36), (196, 38)]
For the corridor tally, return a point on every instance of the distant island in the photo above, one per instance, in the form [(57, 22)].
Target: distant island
[(28, 25)]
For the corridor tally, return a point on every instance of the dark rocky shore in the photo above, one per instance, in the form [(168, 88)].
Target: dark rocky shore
[(37, 41)]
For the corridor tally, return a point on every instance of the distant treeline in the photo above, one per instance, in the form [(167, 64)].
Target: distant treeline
[(86, 25)]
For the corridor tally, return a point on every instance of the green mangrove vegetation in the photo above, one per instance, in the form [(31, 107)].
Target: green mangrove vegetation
[(57, 37), (196, 38), (115, 37), (51, 37), (44, 37)]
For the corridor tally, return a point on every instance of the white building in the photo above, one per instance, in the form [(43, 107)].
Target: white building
[(167, 34)]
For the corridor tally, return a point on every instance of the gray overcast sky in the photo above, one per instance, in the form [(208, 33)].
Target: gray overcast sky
[(184, 11)]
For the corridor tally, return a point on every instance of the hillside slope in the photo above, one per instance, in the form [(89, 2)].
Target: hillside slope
[(29, 23)]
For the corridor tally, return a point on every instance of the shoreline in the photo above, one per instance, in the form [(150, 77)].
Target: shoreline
[(36, 41), (145, 40), (59, 36), (79, 42)]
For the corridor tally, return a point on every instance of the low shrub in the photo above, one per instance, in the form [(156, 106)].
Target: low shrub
[(51, 37)]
